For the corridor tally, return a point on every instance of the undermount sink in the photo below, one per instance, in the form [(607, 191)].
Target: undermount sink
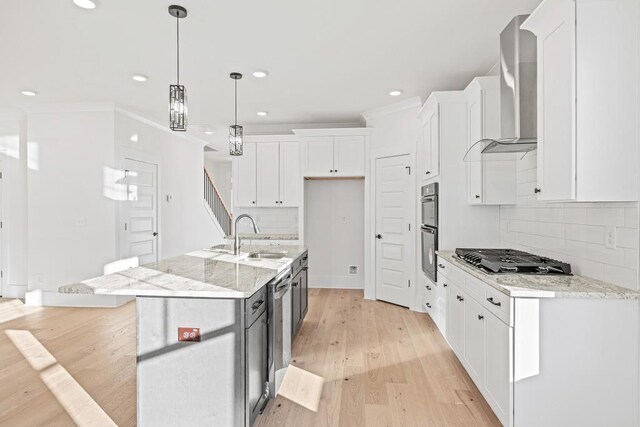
[(267, 255)]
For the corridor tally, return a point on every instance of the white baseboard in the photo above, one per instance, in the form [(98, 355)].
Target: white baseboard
[(336, 282), (14, 291), (41, 298)]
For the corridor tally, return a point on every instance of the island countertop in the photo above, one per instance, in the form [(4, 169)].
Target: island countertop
[(207, 273), (543, 286)]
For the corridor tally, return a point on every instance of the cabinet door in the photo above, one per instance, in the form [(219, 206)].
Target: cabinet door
[(257, 373), (498, 366), (474, 340), (304, 292), (268, 174), (319, 156), (296, 309), (474, 161), (244, 173), (427, 171), (290, 178), (555, 31), (440, 306), (348, 155), (455, 319), (435, 144)]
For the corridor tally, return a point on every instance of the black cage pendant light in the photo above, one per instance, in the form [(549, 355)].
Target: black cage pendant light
[(177, 92), (235, 130)]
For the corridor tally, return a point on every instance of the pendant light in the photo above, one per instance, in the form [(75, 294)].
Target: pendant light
[(235, 130), (177, 92)]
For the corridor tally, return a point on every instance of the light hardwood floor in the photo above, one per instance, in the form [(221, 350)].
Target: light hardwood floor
[(382, 365)]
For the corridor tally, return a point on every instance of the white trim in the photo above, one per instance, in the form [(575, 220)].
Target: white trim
[(150, 122), (414, 102), (334, 132), (432, 102), (39, 298), (271, 138), (69, 108), (214, 220), (14, 291)]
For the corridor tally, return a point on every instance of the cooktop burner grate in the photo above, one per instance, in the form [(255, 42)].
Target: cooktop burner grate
[(512, 261)]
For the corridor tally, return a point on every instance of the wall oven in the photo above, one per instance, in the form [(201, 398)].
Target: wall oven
[(429, 229)]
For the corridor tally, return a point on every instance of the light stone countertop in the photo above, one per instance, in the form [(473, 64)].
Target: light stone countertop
[(543, 285), (207, 273), (266, 236)]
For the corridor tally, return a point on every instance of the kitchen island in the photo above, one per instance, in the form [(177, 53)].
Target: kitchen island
[(202, 332)]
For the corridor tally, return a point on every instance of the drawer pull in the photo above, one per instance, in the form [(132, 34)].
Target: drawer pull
[(428, 288), (480, 317), (444, 285), (498, 304), (428, 305), (257, 304), (441, 265), (459, 298)]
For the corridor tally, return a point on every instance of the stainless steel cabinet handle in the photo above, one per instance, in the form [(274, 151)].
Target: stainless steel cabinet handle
[(257, 304), (490, 299)]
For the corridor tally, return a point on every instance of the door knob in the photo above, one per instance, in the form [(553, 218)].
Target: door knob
[(378, 236)]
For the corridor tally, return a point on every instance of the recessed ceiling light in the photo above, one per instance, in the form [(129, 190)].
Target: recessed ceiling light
[(260, 74), (139, 77), (396, 92), (85, 4), (262, 113), (29, 93), (208, 132)]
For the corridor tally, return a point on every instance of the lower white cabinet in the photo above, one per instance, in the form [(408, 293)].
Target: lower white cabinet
[(474, 338), (455, 319), (498, 365)]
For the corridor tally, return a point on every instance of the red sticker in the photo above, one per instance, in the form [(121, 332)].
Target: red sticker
[(189, 334)]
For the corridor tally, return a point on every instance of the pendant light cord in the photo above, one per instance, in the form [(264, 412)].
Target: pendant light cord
[(178, 47), (236, 101)]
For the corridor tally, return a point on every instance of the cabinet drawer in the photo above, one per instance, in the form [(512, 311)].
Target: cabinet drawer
[(254, 306), (429, 296), (475, 288), (299, 263), (451, 272), (498, 303)]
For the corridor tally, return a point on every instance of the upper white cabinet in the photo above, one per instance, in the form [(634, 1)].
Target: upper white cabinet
[(430, 144), (491, 178), (267, 175), (330, 154), (587, 106), (244, 177)]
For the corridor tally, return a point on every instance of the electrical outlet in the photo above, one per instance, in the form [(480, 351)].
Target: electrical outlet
[(353, 270), (610, 237)]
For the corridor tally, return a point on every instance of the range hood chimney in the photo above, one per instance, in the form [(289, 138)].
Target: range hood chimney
[(518, 91)]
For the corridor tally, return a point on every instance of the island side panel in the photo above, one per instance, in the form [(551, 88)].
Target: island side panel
[(585, 372), (190, 383)]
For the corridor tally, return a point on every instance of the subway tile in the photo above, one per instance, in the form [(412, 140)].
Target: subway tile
[(620, 276), (605, 216), (631, 259), (584, 233), (537, 228), (595, 252), (575, 216), (627, 237), (631, 217)]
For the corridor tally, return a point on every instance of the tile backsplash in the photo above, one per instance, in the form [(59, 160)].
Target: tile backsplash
[(573, 232), (270, 220)]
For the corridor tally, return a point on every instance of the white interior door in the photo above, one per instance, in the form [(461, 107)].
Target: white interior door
[(394, 208), (2, 262), (139, 212)]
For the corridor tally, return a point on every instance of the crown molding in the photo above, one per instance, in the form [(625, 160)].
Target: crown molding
[(90, 107), (334, 132), (407, 104), (271, 138)]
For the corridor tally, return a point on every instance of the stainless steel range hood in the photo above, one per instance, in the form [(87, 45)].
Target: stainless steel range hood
[(518, 91)]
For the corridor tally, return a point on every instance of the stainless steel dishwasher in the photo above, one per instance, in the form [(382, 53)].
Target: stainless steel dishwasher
[(279, 297)]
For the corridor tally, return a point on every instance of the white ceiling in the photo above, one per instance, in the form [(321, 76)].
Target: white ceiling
[(328, 60)]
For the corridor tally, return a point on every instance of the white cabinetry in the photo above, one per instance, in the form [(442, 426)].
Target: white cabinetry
[(491, 178), (430, 144), (455, 319), (267, 175), (335, 156), (587, 109), (498, 361)]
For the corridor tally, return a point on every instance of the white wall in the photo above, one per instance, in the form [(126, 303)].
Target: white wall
[(13, 235), (71, 224), (573, 232), (185, 224), (334, 232)]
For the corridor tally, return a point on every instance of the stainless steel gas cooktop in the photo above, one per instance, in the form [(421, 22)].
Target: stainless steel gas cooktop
[(512, 261)]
